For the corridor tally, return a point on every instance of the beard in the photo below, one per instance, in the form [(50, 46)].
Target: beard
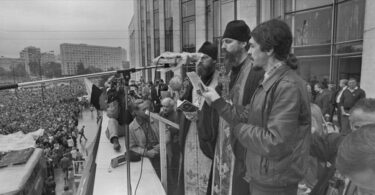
[(205, 72), (231, 59)]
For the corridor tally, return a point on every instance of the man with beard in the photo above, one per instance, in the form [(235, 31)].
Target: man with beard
[(275, 127), (241, 84), (199, 131)]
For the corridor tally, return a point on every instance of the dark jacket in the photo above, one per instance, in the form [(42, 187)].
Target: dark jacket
[(277, 132), (323, 100), (349, 99)]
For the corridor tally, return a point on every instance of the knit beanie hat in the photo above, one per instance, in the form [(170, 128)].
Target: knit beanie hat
[(238, 30), (209, 49)]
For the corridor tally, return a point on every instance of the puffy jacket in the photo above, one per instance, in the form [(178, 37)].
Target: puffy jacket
[(276, 133)]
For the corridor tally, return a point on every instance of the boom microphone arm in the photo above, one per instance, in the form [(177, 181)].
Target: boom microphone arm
[(129, 70)]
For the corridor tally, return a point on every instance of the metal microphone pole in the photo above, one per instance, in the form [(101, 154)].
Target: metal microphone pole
[(31, 83), (126, 75)]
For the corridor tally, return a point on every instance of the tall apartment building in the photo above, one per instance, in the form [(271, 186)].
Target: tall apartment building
[(101, 57), (333, 39), (47, 57), (124, 55), (30, 54)]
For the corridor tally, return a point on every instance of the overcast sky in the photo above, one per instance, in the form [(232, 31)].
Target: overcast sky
[(48, 23)]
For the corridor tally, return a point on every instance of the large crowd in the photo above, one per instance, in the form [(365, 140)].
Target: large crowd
[(55, 110)]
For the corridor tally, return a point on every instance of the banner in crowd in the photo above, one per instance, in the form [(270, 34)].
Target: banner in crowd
[(19, 140), (96, 96)]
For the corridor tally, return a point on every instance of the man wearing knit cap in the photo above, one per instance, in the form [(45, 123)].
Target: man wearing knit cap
[(242, 81), (202, 124)]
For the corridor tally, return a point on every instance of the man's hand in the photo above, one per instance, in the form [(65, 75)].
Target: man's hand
[(191, 116), (210, 95), (151, 153)]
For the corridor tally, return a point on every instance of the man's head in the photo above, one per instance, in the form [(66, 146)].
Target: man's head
[(331, 86), (343, 83), (176, 83), (146, 91), (150, 84), (168, 105), (140, 107), (352, 83), (235, 41), (356, 158), (206, 65), (272, 40), (362, 113), (133, 88), (318, 87)]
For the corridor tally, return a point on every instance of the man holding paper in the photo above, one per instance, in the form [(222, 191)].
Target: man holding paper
[(199, 129)]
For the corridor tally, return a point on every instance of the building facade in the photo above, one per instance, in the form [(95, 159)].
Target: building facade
[(124, 55), (9, 64), (333, 39), (30, 55), (100, 57), (47, 57)]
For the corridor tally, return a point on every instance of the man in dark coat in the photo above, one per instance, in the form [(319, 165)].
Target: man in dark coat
[(348, 99), (323, 100), (155, 98)]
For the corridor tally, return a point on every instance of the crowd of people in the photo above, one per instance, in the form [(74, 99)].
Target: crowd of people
[(56, 111), (262, 129)]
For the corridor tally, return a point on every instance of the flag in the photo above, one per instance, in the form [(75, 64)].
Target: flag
[(96, 96)]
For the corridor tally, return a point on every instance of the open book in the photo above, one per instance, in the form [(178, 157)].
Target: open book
[(186, 106)]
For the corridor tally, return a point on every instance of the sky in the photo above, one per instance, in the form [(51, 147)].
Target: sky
[(48, 23)]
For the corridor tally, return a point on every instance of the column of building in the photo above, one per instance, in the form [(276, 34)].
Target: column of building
[(368, 57)]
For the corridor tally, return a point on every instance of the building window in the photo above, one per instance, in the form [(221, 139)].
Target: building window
[(328, 36), (156, 34), (148, 39), (209, 21), (188, 25), (223, 11), (168, 25), (156, 29), (227, 13)]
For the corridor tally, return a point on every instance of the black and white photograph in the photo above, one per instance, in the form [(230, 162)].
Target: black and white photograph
[(97, 97)]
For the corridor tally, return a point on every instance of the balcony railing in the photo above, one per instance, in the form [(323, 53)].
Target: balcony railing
[(163, 149)]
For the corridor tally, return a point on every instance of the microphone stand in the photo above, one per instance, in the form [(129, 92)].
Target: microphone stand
[(126, 76)]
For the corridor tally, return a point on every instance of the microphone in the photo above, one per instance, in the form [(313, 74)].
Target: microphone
[(176, 60)]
